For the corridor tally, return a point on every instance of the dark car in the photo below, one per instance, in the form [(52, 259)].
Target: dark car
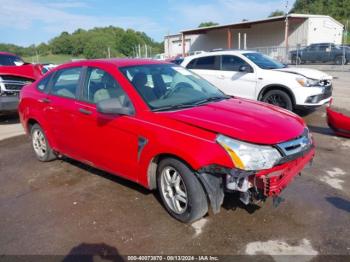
[(322, 52)]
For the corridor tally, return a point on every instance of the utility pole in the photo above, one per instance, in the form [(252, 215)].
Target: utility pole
[(37, 56), (109, 52), (286, 32), (345, 37)]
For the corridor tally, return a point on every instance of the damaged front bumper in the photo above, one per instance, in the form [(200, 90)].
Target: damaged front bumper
[(253, 186)]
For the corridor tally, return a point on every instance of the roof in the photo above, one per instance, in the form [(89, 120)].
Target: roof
[(221, 52), (247, 24)]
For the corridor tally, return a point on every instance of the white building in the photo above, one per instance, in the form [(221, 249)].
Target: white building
[(273, 36)]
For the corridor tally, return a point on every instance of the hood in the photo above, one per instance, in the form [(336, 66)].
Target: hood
[(27, 70), (244, 120), (306, 72)]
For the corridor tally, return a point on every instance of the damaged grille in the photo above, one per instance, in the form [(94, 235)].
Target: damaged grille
[(325, 82), (11, 84), (295, 148)]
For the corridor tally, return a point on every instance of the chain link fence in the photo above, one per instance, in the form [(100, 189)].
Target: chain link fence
[(324, 55)]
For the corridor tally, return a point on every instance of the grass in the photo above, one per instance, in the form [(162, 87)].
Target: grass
[(54, 59)]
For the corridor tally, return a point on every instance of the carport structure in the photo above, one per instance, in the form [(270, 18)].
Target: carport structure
[(230, 28), (279, 32)]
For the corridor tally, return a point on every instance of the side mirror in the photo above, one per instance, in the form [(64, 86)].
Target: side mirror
[(114, 107), (245, 69)]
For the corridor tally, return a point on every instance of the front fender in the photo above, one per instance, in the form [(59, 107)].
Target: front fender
[(196, 152)]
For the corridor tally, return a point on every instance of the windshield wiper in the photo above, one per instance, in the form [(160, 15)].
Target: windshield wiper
[(200, 102), (172, 107), (211, 99)]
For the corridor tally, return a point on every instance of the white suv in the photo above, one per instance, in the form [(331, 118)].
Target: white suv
[(253, 75)]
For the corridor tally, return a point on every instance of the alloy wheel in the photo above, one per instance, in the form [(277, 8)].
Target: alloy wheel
[(39, 143), (277, 100), (174, 190)]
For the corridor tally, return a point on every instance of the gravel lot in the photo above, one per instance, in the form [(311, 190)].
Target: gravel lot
[(64, 207)]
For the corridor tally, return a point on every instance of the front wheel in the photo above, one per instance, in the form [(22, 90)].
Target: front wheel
[(40, 144), (278, 98), (181, 192), (296, 60), (339, 60)]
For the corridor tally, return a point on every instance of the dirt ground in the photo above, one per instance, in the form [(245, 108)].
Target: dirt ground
[(64, 207)]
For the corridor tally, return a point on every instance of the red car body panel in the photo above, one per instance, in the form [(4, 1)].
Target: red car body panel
[(29, 71), (111, 142), (244, 120), (339, 122), (274, 180)]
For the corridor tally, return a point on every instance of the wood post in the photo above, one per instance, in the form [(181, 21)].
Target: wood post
[(229, 38)]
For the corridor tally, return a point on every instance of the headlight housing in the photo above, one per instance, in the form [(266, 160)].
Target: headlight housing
[(248, 156), (307, 82)]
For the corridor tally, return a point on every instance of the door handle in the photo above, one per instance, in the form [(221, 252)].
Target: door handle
[(221, 77), (85, 111), (45, 100)]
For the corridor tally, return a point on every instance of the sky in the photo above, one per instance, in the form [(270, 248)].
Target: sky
[(25, 22)]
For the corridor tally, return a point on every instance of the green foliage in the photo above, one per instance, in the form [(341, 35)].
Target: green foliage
[(93, 43), (277, 13), (338, 9), (55, 59), (206, 24)]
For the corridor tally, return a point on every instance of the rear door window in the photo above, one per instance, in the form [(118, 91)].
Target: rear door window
[(66, 82), (205, 63)]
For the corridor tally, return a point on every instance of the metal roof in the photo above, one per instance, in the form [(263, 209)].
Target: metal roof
[(247, 24)]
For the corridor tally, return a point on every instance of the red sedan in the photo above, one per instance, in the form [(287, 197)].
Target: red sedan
[(165, 128)]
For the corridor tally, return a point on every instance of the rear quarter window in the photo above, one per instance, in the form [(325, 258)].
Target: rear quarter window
[(43, 84)]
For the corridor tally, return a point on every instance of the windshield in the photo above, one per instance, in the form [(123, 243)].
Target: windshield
[(10, 60), (166, 87), (264, 61)]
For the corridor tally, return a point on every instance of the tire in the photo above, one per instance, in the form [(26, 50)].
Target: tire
[(339, 60), (278, 98), (296, 60), (181, 192), (40, 144)]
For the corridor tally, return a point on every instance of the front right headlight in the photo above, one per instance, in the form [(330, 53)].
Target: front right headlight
[(248, 156), (307, 82)]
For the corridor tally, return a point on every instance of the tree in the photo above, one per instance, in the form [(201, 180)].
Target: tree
[(338, 9), (277, 13), (62, 44), (93, 43), (129, 41), (43, 49), (207, 24)]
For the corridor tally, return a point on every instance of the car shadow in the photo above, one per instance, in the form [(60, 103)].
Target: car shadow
[(9, 119), (321, 130), (106, 175), (305, 112), (93, 252), (339, 203), (232, 202)]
